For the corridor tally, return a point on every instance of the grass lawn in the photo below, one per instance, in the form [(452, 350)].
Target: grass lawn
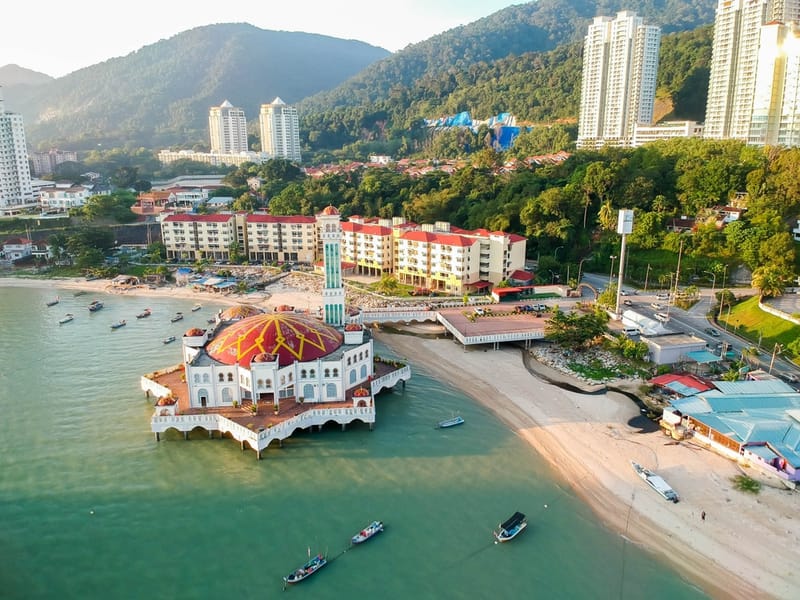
[(752, 323)]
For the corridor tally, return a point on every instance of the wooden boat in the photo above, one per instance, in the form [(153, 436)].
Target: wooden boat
[(54, 301), (656, 482), (307, 570), (511, 528), (369, 531), (197, 307), (177, 317), (95, 306), (118, 324), (65, 319), (169, 340), (450, 422), (144, 314)]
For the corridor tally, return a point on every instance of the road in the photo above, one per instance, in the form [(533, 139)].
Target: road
[(695, 321)]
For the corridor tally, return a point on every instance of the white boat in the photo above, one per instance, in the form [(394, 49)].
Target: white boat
[(54, 301), (656, 482), (144, 314), (197, 307), (118, 324), (169, 340), (178, 316), (511, 528), (95, 306), (307, 570), (65, 319), (450, 422), (370, 530)]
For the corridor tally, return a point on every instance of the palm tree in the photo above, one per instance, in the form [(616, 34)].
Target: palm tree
[(768, 280)]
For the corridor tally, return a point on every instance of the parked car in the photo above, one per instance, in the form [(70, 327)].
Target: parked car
[(712, 332), (656, 306)]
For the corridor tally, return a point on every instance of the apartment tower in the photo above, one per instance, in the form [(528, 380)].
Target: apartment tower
[(736, 52), (16, 191), (280, 130), (620, 66), (227, 126)]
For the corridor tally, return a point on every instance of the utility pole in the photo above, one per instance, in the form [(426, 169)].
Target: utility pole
[(775, 351), (646, 276), (624, 227), (678, 269)]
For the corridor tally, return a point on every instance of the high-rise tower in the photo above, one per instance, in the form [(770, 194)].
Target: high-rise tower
[(227, 127), (620, 65), (16, 191), (280, 130)]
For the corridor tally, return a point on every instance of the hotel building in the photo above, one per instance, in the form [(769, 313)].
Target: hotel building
[(618, 86), (44, 163), (280, 130), (434, 256), (16, 191)]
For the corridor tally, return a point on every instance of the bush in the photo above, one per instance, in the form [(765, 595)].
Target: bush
[(743, 483)]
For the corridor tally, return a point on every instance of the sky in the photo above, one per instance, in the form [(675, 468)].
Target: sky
[(56, 37)]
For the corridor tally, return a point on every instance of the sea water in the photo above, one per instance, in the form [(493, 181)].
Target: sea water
[(92, 506)]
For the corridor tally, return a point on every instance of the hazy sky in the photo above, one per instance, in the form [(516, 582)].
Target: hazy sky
[(57, 37)]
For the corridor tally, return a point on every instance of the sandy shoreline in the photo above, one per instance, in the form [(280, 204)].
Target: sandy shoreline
[(747, 547)]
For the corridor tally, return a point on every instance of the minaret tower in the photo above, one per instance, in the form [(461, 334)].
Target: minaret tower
[(333, 290)]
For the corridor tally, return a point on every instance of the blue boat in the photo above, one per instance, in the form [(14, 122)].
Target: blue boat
[(450, 422), (307, 570)]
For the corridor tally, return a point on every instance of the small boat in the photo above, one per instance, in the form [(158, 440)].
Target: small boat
[(177, 317), (80, 293), (169, 340), (197, 307), (211, 321), (307, 570), (54, 301), (95, 306), (656, 482), (511, 528), (450, 422), (118, 324), (370, 530), (144, 314), (65, 319)]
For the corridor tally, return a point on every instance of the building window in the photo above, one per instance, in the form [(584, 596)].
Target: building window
[(327, 372), (336, 372), (221, 377), (313, 373), (197, 377), (303, 374), (230, 377)]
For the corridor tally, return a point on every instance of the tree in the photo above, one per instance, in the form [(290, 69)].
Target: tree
[(769, 280), (575, 331)]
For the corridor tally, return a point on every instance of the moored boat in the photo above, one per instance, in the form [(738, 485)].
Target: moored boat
[(118, 324), (169, 340), (656, 482), (450, 422), (144, 314), (511, 528), (54, 301), (307, 570), (65, 319), (197, 307), (95, 306), (369, 531), (177, 317)]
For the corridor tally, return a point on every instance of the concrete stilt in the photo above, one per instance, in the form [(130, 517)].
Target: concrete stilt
[(344, 427), (158, 437), (371, 425), (280, 443), (241, 445), (258, 454), (185, 435), (211, 434)]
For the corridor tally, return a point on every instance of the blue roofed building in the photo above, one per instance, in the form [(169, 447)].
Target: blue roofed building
[(756, 423)]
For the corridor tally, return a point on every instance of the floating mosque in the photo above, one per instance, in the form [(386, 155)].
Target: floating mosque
[(258, 377)]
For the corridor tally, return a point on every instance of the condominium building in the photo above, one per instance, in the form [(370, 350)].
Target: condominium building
[(227, 126), (733, 80), (280, 130), (61, 198), (188, 236), (368, 245), (16, 191), (213, 158), (620, 66), (271, 238), (665, 130), (44, 163), (775, 119)]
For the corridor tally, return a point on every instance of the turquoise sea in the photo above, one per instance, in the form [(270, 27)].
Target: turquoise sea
[(91, 506)]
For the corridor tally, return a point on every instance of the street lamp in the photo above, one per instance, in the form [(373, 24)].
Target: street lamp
[(722, 294), (553, 279), (580, 266), (611, 274), (775, 350), (646, 276), (555, 252), (713, 284)]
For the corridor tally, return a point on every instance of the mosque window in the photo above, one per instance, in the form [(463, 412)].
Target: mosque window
[(348, 361), (261, 383), (221, 377), (327, 372), (353, 376), (269, 383), (336, 372), (206, 378), (291, 376), (303, 374), (363, 371), (313, 372), (230, 377), (360, 356), (283, 380), (366, 353), (197, 378)]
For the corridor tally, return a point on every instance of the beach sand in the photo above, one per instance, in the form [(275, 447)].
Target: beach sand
[(746, 547)]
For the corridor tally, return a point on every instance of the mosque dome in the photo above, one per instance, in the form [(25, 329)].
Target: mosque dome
[(329, 211), (194, 332), (239, 312), (289, 336)]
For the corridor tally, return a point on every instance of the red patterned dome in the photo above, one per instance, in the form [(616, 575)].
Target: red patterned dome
[(289, 336), (238, 312), (194, 332), (329, 211)]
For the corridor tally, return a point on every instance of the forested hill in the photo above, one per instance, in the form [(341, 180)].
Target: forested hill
[(160, 95), (532, 27), (536, 87)]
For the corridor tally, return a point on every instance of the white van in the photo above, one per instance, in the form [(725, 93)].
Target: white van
[(663, 317), (629, 331)]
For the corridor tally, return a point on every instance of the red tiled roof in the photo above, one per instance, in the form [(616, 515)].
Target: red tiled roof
[(195, 218), (368, 229), (262, 218), (451, 239), (521, 275), (689, 381)]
